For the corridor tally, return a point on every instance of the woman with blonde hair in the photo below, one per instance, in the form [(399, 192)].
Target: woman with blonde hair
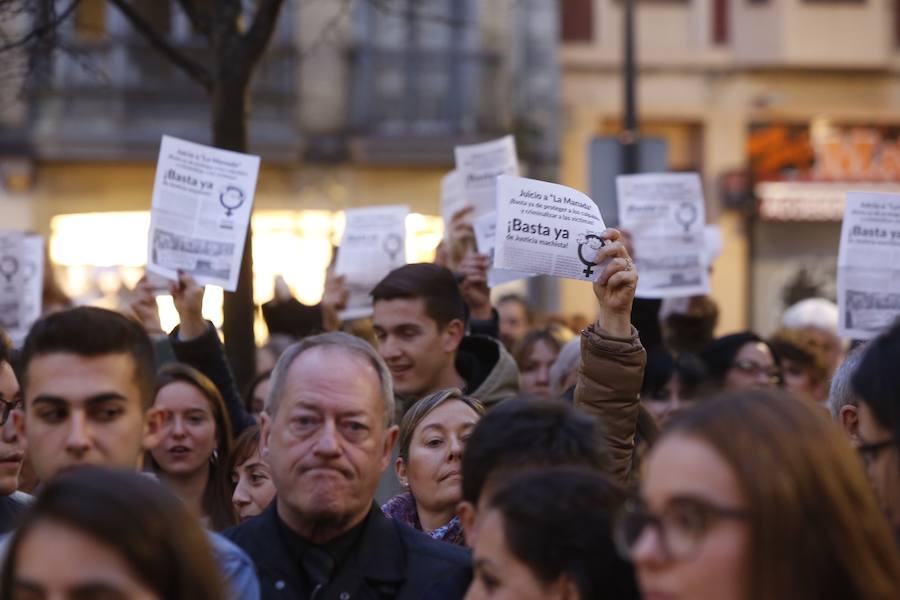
[(433, 434), (758, 495)]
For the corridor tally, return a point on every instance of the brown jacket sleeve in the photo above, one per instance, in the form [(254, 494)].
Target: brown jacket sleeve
[(609, 382)]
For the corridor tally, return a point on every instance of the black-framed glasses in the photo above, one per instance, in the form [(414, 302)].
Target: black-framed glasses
[(6, 407), (869, 450), (681, 527)]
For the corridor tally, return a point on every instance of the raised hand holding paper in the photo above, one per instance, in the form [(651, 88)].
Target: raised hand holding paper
[(478, 167), (373, 244), (202, 200), (665, 215), (868, 283), (546, 228)]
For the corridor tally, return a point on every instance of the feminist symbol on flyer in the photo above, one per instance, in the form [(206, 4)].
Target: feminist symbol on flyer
[(231, 198), (594, 242), (392, 244), (685, 215), (9, 266)]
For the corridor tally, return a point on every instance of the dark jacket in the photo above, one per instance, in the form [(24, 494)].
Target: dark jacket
[(390, 560)]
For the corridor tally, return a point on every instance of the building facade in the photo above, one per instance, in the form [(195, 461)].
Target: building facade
[(781, 105), (354, 103)]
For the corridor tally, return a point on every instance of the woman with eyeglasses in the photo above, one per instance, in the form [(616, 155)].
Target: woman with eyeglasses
[(756, 495), (433, 433), (876, 382), (740, 361)]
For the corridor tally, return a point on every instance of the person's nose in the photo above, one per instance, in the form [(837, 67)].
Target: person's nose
[(389, 348), (78, 441), (543, 375), (240, 497), (327, 444), (178, 429), (647, 551), (10, 434), (455, 448)]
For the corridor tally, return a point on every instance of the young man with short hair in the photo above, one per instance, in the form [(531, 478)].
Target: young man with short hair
[(88, 385), (420, 320)]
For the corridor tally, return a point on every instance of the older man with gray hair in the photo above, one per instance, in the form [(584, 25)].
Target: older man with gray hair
[(842, 400), (327, 436)]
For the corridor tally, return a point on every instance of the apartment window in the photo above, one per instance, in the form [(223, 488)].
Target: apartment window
[(720, 22), (577, 18)]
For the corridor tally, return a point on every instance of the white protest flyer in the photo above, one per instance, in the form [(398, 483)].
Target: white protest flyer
[(868, 282), (373, 245), (666, 217), (202, 200), (479, 165), (485, 228), (32, 263), (452, 198), (546, 228), (11, 280)]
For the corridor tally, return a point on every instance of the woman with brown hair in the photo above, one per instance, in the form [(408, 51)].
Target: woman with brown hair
[(535, 354), (196, 443), (433, 433), (109, 534), (757, 495)]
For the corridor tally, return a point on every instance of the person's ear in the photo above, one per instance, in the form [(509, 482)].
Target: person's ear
[(848, 417), (390, 438), (452, 335), (400, 471), (154, 428), (467, 512), (566, 589), (265, 429)]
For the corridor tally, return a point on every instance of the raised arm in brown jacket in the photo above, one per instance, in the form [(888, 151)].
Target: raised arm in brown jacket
[(612, 358)]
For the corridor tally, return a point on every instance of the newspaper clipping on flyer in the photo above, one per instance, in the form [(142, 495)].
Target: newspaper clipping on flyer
[(868, 283), (12, 281), (32, 263), (485, 228), (373, 245), (478, 167), (202, 200), (547, 228), (665, 215)]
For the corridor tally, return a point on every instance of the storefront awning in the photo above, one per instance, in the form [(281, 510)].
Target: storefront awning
[(810, 201)]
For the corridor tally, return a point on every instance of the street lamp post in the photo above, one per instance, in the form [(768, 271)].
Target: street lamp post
[(629, 135)]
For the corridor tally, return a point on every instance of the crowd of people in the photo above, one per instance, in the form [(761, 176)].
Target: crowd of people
[(451, 447)]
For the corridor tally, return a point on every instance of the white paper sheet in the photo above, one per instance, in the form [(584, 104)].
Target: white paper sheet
[(485, 228), (868, 285), (12, 280), (479, 165), (32, 260), (202, 200), (373, 244), (546, 228), (452, 198), (665, 214)]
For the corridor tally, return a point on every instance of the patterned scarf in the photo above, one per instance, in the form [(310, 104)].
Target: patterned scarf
[(403, 508)]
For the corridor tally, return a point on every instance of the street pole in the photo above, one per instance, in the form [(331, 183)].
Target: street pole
[(629, 135)]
